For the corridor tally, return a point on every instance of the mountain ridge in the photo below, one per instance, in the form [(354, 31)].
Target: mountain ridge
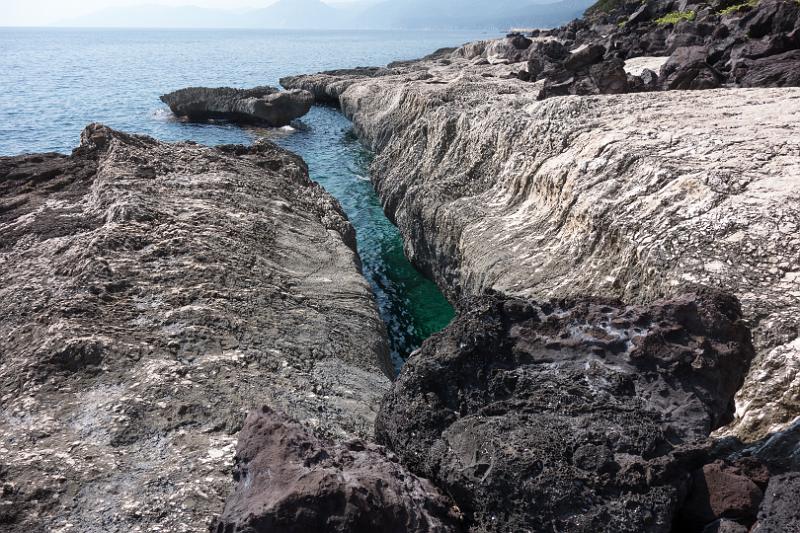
[(361, 15)]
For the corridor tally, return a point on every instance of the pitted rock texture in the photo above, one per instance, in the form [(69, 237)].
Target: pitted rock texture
[(780, 511), (262, 105), (720, 491), (152, 294), (292, 482), (632, 196), (570, 415)]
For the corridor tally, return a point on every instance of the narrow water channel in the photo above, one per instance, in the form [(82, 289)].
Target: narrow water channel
[(116, 77), (412, 306)]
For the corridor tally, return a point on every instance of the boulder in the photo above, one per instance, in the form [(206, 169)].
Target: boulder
[(770, 17), (720, 491), (610, 77), (588, 408), (642, 14), (649, 79), (519, 41), (263, 105), (780, 511), (782, 70), (688, 69), (290, 481), (584, 57)]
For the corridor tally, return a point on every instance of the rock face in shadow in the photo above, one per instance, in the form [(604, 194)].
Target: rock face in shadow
[(572, 416), (292, 482), (780, 511), (263, 105), (152, 294), (633, 196)]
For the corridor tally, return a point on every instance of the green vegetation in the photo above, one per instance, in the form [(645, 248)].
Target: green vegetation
[(605, 6), (622, 23), (738, 7), (676, 16)]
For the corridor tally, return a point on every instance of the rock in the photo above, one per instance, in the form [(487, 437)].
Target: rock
[(151, 294), (780, 451), (291, 481), (609, 77), (649, 80), (782, 70), (769, 18), (720, 491), (688, 69), (325, 92), (262, 105), (584, 57), (512, 49), (588, 408), (634, 196), (548, 50), (519, 41), (780, 511), (725, 526), (642, 14)]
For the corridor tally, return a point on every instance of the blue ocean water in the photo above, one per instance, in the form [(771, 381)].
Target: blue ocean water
[(53, 82)]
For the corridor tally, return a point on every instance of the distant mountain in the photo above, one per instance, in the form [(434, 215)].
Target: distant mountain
[(367, 14), (299, 14), (156, 16), (470, 14)]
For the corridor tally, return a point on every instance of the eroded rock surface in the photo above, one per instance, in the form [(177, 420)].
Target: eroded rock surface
[(570, 415), (780, 511), (633, 196), (263, 105), (152, 294), (292, 482)]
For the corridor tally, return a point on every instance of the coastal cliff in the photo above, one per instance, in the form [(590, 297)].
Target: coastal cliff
[(635, 196), (152, 295)]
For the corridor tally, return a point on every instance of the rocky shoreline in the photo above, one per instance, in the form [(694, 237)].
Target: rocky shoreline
[(498, 187), (189, 343), (632, 196), (153, 294)]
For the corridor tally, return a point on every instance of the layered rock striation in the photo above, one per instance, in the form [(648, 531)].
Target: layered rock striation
[(152, 294), (261, 106), (633, 196)]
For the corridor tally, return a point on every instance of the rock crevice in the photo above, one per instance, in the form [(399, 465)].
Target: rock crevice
[(634, 196)]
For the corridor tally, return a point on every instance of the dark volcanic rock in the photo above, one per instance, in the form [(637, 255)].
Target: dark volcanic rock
[(292, 482), (688, 69), (150, 295), (568, 416), (780, 511), (782, 70), (720, 491), (262, 105), (609, 77), (585, 57)]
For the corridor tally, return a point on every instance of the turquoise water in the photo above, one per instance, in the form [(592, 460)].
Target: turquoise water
[(412, 306), (53, 82)]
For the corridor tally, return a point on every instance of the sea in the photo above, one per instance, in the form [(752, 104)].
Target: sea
[(53, 82)]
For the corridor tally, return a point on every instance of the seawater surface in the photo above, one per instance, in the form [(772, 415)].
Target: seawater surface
[(53, 82)]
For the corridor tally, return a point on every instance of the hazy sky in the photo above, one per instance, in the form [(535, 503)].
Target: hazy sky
[(42, 12)]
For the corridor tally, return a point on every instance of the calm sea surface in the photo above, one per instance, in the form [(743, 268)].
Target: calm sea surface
[(54, 82)]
